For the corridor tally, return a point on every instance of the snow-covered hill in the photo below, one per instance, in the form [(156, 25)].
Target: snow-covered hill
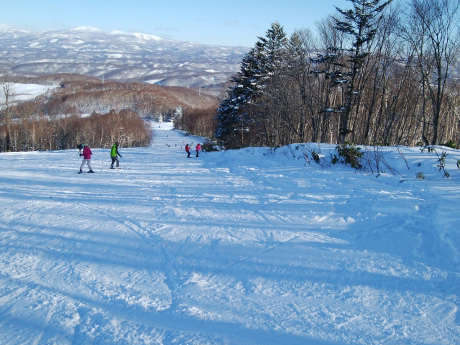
[(237, 247), (24, 92), (118, 56)]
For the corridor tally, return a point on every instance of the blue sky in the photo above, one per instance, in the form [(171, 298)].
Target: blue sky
[(222, 22)]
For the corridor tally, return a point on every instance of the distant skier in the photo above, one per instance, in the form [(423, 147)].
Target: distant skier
[(114, 154), (198, 149), (79, 147), (86, 158), (187, 149)]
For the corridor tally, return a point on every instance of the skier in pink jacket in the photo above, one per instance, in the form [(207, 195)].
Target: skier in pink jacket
[(86, 159), (198, 149)]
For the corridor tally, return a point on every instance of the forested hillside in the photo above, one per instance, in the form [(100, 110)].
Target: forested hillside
[(78, 108), (377, 73)]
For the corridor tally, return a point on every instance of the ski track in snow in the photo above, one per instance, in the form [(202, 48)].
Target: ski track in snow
[(227, 248)]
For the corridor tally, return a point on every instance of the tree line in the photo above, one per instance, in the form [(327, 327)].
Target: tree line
[(97, 130), (375, 74), (86, 110)]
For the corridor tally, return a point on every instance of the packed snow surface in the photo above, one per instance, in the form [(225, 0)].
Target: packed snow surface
[(251, 246)]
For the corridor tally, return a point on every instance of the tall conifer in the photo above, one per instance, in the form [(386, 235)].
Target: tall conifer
[(360, 24), (257, 67)]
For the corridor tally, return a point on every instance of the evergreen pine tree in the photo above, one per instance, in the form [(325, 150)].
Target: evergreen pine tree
[(231, 115), (274, 48), (298, 69), (257, 67), (360, 24)]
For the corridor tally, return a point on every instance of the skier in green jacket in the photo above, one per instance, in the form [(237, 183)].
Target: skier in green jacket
[(114, 154)]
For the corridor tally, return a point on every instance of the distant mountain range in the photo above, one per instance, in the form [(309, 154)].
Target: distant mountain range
[(118, 56)]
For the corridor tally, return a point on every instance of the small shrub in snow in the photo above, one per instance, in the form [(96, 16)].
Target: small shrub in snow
[(442, 164), (350, 154), (451, 144), (334, 159), (420, 176), (315, 157), (375, 161), (441, 160), (209, 146)]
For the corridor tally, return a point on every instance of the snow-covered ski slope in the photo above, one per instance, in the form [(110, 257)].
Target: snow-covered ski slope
[(236, 247)]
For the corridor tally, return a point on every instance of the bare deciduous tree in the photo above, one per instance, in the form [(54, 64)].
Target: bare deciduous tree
[(7, 92), (433, 33)]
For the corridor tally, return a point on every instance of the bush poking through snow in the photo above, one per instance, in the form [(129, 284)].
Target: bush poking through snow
[(450, 143), (209, 146), (315, 157), (350, 154), (442, 164), (420, 176)]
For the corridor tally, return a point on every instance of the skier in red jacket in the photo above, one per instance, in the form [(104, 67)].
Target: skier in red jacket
[(187, 149), (86, 158)]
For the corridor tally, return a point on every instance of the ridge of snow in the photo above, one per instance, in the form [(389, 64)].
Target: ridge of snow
[(147, 37), (86, 29)]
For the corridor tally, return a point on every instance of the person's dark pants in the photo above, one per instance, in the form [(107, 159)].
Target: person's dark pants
[(114, 159), (188, 154)]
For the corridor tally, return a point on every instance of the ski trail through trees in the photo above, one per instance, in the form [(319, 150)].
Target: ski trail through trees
[(236, 247)]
